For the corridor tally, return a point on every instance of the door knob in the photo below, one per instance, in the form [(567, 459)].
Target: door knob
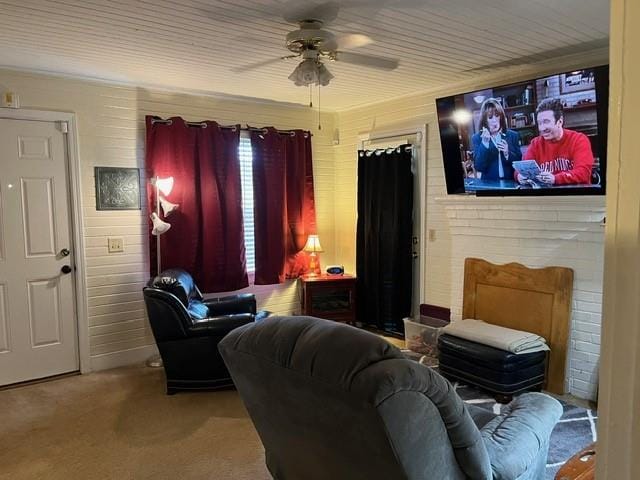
[(65, 252), (66, 269)]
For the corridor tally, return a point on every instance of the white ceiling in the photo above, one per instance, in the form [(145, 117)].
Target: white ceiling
[(193, 45)]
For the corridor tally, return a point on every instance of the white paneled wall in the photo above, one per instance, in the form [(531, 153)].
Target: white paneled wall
[(442, 279), (111, 133)]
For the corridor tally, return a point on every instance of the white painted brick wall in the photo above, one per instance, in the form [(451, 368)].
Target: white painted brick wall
[(539, 232)]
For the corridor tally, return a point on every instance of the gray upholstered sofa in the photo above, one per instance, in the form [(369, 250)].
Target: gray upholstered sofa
[(331, 402)]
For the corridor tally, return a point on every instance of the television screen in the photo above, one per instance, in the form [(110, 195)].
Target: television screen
[(545, 136)]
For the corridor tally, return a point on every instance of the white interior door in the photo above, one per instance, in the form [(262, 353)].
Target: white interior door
[(38, 328)]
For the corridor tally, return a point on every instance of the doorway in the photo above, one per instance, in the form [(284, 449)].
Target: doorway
[(386, 142), (38, 321)]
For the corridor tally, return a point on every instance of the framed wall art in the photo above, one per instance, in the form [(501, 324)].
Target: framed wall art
[(117, 188)]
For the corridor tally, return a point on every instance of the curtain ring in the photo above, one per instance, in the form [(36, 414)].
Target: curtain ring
[(292, 134), (234, 129), (169, 122), (203, 124), (265, 131), (306, 135)]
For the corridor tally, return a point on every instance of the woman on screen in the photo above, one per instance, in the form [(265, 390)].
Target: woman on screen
[(494, 146)]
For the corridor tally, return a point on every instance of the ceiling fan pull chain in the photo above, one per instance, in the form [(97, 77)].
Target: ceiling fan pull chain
[(319, 124), (310, 95)]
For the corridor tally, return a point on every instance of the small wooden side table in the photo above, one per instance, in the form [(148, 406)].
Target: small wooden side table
[(582, 466), (329, 296)]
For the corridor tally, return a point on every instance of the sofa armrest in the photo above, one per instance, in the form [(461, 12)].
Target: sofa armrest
[(517, 438), (242, 303)]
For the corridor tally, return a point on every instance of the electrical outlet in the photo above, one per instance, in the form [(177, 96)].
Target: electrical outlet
[(115, 244)]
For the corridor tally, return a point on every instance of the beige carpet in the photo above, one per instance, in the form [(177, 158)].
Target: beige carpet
[(119, 424)]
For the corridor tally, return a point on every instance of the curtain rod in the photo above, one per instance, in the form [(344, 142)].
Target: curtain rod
[(378, 151), (230, 127), (373, 138)]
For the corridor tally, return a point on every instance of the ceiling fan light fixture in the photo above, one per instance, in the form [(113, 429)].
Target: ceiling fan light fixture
[(324, 75), (310, 72)]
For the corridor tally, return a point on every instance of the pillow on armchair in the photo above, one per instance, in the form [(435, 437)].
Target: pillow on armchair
[(198, 310)]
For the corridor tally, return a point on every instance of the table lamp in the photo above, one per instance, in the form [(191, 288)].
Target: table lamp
[(313, 247)]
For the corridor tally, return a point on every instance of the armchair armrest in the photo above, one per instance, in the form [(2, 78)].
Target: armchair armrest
[(519, 437), (242, 303), (220, 325)]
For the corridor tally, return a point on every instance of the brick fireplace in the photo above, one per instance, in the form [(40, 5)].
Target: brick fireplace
[(539, 232)]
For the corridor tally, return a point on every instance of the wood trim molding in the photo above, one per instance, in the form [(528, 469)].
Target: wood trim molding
[(619, 390)]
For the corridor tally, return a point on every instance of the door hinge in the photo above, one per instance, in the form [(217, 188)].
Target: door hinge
[(64, 127)]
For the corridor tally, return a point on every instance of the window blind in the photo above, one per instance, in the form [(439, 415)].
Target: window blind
[(246, 179)]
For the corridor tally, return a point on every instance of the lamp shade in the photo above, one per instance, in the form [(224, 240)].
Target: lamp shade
[(159, 225), (324, 75), (310, 72), (313, 244), (165, 185), (167, 206)]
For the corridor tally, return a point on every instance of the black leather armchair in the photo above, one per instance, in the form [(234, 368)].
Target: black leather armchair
[(187, 328)]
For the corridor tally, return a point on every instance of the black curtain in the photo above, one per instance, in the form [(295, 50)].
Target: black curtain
[(385, 228)]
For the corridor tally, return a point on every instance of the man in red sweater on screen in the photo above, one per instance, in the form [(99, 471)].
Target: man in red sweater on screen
[(564, 156)]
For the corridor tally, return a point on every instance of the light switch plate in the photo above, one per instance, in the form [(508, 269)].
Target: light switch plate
[(115, 244), (10, 100)]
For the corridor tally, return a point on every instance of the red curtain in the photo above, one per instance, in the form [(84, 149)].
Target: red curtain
[(284, 210), (206, 237)]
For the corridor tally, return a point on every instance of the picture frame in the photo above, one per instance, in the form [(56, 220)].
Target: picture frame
[(117, 188), (577, 81)]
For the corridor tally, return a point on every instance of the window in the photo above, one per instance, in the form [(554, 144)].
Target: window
[(246, 180)]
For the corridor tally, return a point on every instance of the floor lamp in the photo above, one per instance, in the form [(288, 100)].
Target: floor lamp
[(164, 186)]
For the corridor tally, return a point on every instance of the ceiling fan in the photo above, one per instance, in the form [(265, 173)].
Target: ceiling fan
[(314, 45)]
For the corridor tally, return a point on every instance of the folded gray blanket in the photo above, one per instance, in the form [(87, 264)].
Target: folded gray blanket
[(515, 341)]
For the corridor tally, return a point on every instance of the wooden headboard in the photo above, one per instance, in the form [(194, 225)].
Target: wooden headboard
[(534, 300)]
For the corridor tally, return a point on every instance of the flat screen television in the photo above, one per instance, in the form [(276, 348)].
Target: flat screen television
[(544, 136)]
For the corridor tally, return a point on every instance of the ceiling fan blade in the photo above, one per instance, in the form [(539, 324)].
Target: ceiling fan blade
[(344, 41), (296, 11), (367, 60), (545, 55), (263, 63)]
